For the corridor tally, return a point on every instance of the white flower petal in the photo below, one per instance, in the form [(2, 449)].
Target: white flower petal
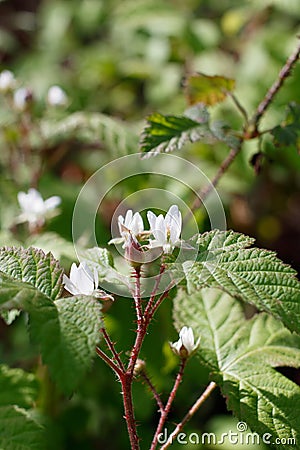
[(52, 202), (69, 286), (136, 225)]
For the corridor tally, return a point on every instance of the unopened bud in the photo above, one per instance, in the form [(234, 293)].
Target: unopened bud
[(139, 367)]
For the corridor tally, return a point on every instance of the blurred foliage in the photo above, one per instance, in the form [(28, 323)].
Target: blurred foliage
[(119, 61)]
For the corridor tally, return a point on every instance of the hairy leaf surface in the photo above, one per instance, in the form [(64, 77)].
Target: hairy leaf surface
[(253, 275), (33, 266), (66, 330), (242, 356)]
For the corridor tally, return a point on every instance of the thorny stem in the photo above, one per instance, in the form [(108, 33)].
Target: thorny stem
[(166, 410), (251, 129), (109, 362), (190, 414), (126, 381), (267, 100), (154, 292), (159, 301), (156, 395), (137, 295), (111, 347), (203, 194)]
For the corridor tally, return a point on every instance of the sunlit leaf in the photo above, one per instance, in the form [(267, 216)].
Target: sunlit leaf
[(253, 275), (200, 88)]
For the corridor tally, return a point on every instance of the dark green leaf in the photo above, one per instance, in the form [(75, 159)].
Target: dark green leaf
[(288, 133), (66, 330), (169, 133), (17, 387), (19, 431)]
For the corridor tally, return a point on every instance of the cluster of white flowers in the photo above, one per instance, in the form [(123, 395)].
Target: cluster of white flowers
[(23, 96), (165, 230)]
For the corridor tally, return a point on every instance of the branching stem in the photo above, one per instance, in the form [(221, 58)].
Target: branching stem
[(166, 410), (190, 414)]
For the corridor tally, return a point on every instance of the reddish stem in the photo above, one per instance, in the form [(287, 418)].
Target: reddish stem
[(190, 413), (126, 381), (153, 390), (111, 347), (109, 362), (166, 410)]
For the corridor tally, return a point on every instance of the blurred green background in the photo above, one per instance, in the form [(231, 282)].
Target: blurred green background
[(117, 61)]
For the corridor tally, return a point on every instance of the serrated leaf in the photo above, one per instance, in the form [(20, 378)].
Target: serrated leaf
[(66, 330), (253, 275), (169, 133), (19, 431), (33, 266), (114, 135), (101, 259), (241, 356), (201, 88), (17, 387)]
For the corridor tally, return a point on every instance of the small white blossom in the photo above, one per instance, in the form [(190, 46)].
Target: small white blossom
[(7, 81), (186, 345), (56, 96), (166, 230), (22, 97), (130, 227), (82, 280), (34, 209)]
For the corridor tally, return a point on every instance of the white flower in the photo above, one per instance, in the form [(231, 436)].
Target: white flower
[(34, 208), (166, 230), (130, 228), (56, 96), (22, 97), (7, 81), (82, 280), (186, 345)]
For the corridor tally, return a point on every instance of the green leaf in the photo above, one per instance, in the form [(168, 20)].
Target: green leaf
[(114, 135), (288, 133), (19, 431), (242, 356), (253, 275), (67, 330), (101, 259), (17, 387), (80, 320), (33, 266), (169, 133), (200, 88), (54, 243)]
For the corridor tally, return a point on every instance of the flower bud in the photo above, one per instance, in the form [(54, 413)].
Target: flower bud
[(186, 345)]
